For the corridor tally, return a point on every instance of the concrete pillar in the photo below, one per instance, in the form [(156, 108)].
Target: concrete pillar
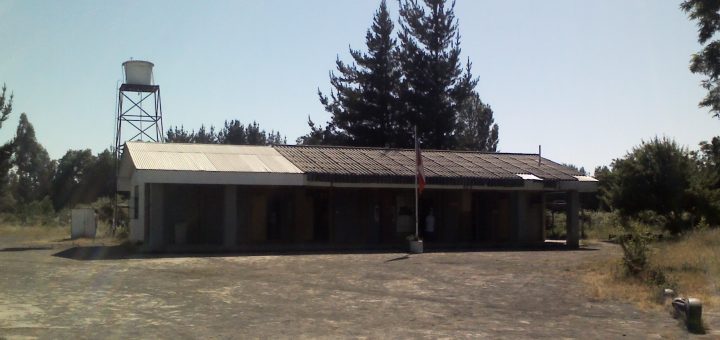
[(230, 218), (157, 209), (543, 206), (519, 211), (573, 221)]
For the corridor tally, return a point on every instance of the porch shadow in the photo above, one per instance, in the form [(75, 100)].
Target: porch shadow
[(12, 249), (124, 251)]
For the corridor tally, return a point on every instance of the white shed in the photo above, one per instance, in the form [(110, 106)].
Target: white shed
[(84, 223)]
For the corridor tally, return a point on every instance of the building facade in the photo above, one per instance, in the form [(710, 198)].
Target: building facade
[(227, 197)]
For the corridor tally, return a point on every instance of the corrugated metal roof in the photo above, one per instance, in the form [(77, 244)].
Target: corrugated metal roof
[(207, 157), (351, 165), (345, 164)]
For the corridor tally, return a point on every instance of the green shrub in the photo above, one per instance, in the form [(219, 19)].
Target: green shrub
[(37, 213), (599, 225), (636, 249), (555, 228)]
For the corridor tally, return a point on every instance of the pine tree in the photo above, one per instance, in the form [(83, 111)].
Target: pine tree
[(5, 104), (320, 135), (205, 136), (233, 133), (364, 99), (477, 130), (434, 83), (178, 135), (255, 136)]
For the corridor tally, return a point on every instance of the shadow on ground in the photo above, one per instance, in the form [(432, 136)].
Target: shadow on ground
[(125, 251), (25, 248)]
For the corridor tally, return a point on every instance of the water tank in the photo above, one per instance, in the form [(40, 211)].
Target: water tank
[(138, 72)]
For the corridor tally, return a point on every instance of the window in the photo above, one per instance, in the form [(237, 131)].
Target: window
[(136, 202)]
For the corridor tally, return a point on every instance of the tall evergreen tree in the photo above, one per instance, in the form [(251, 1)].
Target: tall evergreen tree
[(320, 135), (255, 136), (178, 135), (33, 167), (364, 100), (477, 130), (274, 138), (435, 85), (205, 136), (5, 104), (233, 133)]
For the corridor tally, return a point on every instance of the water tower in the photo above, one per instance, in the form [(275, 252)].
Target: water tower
[(139, 115)]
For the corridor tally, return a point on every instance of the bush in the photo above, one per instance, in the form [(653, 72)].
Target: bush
[(555, 228), (636, 249), (599, 225), (37, 213)]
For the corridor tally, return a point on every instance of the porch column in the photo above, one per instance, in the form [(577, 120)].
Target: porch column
[(520, 219), (573, 226), (156, 199), (230, 218), (543, 209)]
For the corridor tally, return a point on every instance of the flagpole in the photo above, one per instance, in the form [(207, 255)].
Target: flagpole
[(417, 237)]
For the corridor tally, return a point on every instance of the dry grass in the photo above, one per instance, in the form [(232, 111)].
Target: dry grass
[(33, 233), (605, 281), (691, 263), (14, 236)]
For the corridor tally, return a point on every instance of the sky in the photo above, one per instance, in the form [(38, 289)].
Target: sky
[(587, 80)]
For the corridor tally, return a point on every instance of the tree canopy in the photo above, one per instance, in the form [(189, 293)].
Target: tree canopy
[(416, 80), (477, 129), (434, 84), (6, 198), (655, 176), (707, 60), (364, 102), (82, 177), (32, 164), (6, 102), (233, 132)]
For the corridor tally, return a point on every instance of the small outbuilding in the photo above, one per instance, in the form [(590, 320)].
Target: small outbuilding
[(232, 197)]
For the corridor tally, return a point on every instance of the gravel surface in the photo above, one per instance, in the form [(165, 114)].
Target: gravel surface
[(69, 291)]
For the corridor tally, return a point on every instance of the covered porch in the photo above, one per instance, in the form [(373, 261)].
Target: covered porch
[(201, 217)]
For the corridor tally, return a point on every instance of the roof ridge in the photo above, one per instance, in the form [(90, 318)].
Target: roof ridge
[(399, 149)]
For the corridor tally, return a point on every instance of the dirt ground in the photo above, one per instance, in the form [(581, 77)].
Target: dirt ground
[(60, 290)]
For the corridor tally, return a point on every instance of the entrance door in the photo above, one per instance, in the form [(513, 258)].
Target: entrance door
[(321, 217), (274, 220)]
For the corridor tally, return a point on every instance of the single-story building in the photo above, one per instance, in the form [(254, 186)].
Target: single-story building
[(240, 197)]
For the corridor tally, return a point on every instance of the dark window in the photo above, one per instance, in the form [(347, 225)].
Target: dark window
[(136, 203)]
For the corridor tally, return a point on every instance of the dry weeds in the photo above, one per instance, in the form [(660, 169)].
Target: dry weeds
[(33, 233), (605, 281), (691, 263)]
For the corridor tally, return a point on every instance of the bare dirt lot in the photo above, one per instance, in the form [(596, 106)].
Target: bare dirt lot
[(60, 290)]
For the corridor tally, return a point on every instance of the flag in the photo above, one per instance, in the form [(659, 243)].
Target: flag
[(419, 173)]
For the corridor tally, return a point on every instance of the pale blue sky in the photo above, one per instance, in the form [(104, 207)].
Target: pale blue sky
[(586, 79)]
